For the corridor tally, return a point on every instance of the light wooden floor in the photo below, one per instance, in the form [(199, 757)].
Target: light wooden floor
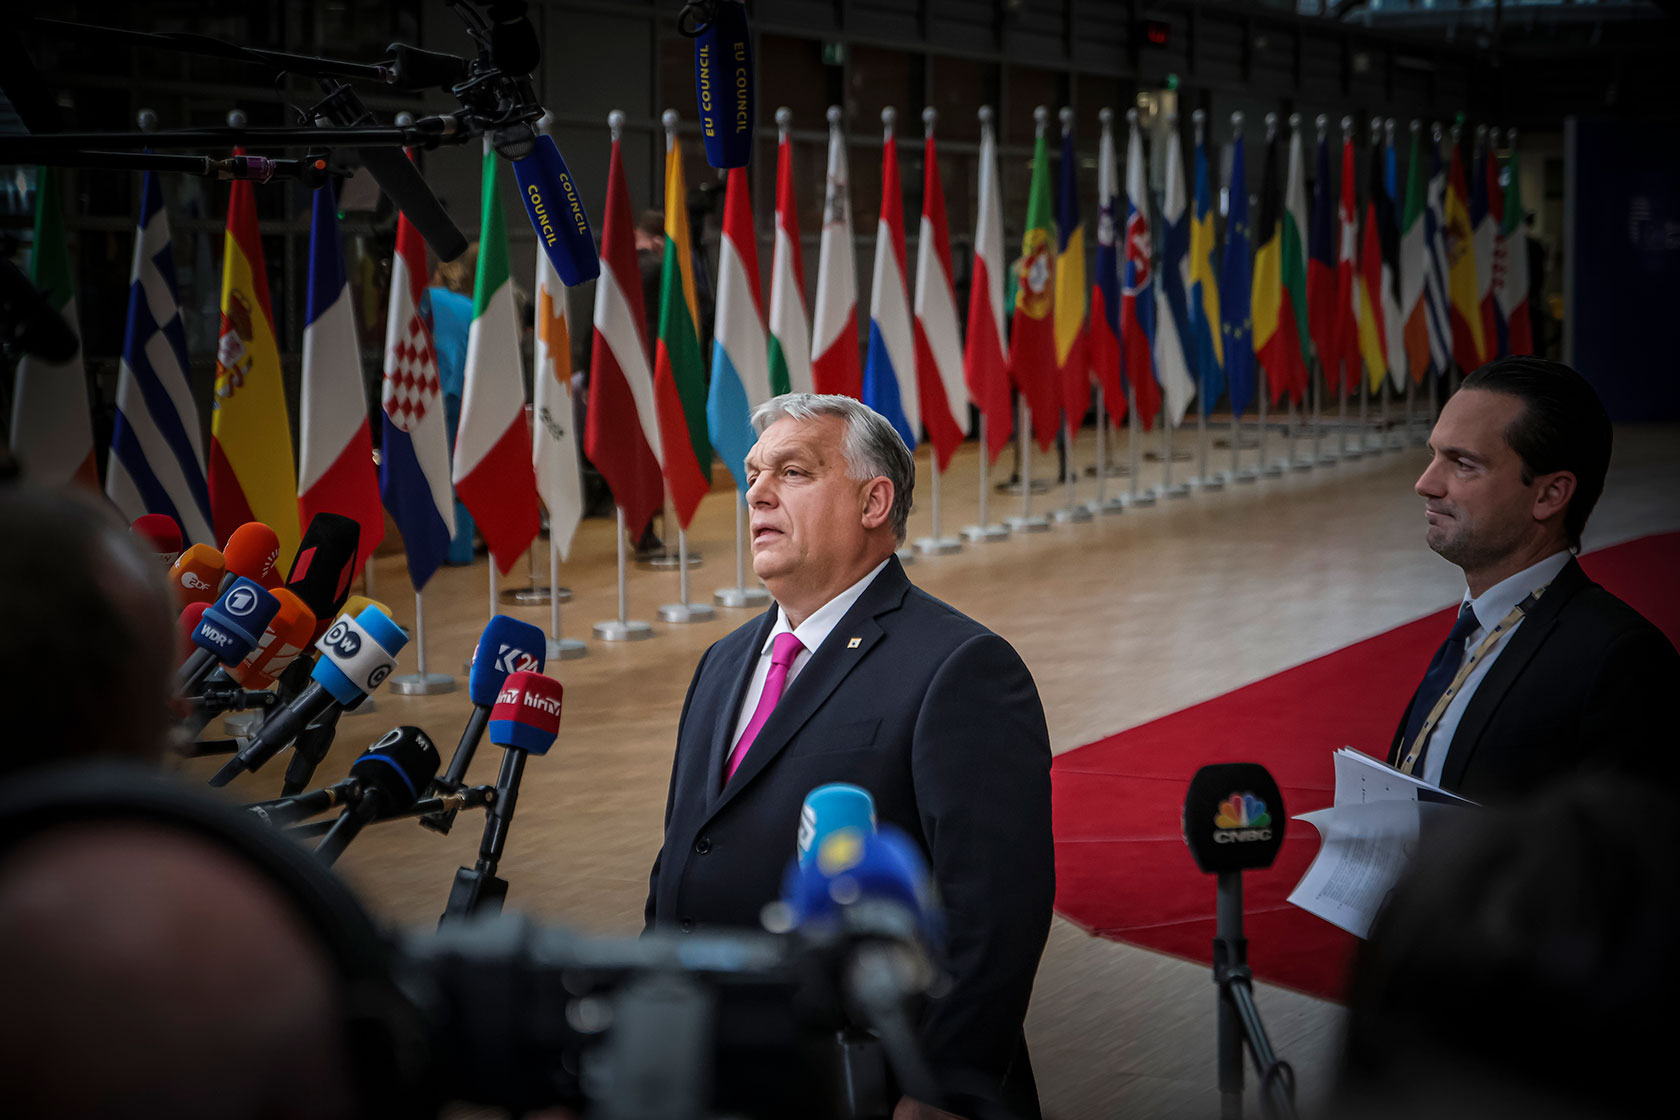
[(1121, 621)]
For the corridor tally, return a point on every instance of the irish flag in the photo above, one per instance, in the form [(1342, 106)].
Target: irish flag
[(834, 348), (493, 473), (790, 330), (889, 373), (740, 352), (335, 455), (251, 474), (679, 373)]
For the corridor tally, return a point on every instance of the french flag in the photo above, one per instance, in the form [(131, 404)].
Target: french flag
[(939, 347), (335, 454), (889, 371)]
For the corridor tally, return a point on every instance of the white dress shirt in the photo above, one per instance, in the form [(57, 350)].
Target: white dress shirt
[(811, 634), (1489, 607)]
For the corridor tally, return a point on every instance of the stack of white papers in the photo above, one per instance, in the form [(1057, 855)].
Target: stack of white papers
[(1368, 837)]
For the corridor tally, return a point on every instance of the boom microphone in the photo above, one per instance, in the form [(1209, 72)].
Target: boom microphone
[(160, 534), (251, 551), (227, 631), (359, 654), (723, 82), (555, 207), (827, 810), (197, 574), (391, 775)]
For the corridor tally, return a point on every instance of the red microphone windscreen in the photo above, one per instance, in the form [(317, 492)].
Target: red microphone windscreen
[(160, 534), (197, 574), (290, 632), (191, 615), (251, 551), (526, 715)]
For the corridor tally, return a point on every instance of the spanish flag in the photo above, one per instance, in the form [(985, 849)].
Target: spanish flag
[(1464, 305), (252, 476)]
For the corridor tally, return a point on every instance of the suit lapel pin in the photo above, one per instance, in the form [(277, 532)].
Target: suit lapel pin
[(854, 643)]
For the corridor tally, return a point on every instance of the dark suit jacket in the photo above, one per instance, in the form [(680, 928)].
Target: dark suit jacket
[(939, 719), (1586, 682)]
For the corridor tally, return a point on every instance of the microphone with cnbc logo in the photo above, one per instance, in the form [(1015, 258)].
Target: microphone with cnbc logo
[(1234, 822)]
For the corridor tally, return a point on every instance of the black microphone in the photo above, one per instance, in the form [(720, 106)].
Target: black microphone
[(396, 176), (392, 773), (513, 41), (723, 81), (1233, 818), (283, 811), (325, 564)]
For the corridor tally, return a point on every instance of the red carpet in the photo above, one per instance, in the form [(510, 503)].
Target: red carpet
[(1122, 870)]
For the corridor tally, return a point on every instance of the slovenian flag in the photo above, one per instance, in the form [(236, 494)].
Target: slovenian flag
[(889, 373), (335, 453), (740, 349)]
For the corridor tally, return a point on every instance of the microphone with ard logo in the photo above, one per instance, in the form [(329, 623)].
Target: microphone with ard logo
[(506, 646), (196, 575), (723, 78), (357, 655), (1234, 822), (225, 690), (390, 776), (227, 631)]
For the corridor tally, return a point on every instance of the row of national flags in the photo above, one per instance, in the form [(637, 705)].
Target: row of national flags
[(1429, 273)]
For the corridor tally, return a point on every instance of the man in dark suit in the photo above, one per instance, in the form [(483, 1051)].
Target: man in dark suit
[(857, 676), (1544, 672)]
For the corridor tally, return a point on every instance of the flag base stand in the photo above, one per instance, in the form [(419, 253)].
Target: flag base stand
[(616, 631), (938, 546), (668, 561), (686, 612), (1177, 490), (1274, 469), (1211, 482), (1143, 499), (1073, 515), (421, 684), (1112, 505), (566, 649), (1013, 487), (993, 532), (741, 597), (1248, 474), (1028, 524), (535, 596)]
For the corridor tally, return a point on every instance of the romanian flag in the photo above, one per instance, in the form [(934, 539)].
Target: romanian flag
[(1464, 306), (1073, 363), (679, 372), (1032, 339), (252, 477), (1204, 290)]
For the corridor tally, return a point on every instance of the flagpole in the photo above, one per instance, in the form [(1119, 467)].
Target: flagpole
[(622, 628), (683, 610), (493, 595), (741, 595), (1102, 454), (559, 648), (1026, 521), (1073, 513), (420, 682), (984, 530)]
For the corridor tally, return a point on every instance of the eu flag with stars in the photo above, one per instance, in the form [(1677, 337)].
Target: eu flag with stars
[(1236, 284)]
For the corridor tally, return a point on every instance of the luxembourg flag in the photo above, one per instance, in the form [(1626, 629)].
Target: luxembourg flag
[(414, 444), (939, 348), (834, 349), (740, 349), (890, 370), (1137, 287), (335, 453)]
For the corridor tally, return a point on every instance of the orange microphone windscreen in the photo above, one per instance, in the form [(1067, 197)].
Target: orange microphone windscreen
[(287, 635), (252, 550), (196, 575)]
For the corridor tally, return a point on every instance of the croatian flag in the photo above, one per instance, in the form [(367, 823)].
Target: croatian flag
[(335, 454), (1137, 292), (889, 372)]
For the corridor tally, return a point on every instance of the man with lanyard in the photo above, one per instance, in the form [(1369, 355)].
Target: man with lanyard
[(1544, 671)]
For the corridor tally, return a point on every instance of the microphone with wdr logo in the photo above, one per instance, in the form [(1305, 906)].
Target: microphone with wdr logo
[(506, 646), (228, 630), (723, 80), (358, 654), (225, 690), (197, 574), (390, 776)]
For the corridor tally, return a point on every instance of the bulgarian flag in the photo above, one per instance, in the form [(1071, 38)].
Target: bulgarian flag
[(790, 329), (679, 372), (52, 424), (493, 473), (251, 473), (335, 454), (740, 351), (1032, 336), (984, 366), (834, 343)]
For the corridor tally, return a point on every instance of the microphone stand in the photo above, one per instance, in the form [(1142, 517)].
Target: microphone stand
[(469, 798), (477, 889), (1239, 1018), (308, 752)]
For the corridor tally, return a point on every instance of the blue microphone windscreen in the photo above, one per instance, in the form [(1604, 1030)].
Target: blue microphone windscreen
[(382, 629), (232, 624), (852, 866), (830, 808), (506, 646), (723, 83), (556, 211)]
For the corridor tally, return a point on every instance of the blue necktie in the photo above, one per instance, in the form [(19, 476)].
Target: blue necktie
[(1441, 672)]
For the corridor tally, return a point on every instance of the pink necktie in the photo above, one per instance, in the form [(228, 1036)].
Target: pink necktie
[(783, 649)]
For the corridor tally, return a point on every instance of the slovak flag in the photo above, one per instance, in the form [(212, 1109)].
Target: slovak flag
[(889, 373), (1137, 291)]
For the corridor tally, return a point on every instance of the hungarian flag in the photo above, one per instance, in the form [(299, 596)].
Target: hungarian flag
[(52, 422), (834, 335), (1204, 290), (1032, 339), (939, 346), (1323, 313), (554, 438), (1469, 344), (1137, 288), (414, 441), (621, 435), (889, 372), (335, 453), (984, 365), (1173, 358), (740, 352), (790, 329), (1236, 288), (1276, 340), (251, 474), (493, 473), (1347, 220), (1368, 302), (1513, 285), (679, 372), (1105, 283), (1073, 362), (1414, 262)]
